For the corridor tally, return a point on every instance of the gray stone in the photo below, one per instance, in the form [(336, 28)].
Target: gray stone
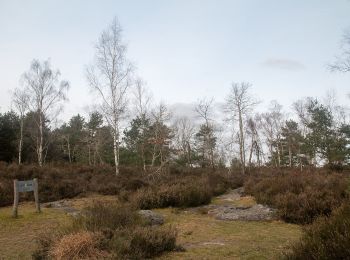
[(254, 213), (65, 206), (57, 204), (151, 217)]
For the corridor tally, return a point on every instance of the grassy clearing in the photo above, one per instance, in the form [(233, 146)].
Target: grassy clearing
[(207, 238), (17, 236), (201, 235)]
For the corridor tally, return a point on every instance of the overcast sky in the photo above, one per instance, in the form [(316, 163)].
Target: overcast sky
[(183, 49)]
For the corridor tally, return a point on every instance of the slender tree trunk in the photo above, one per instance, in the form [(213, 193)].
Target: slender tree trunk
[(89, 147), (209, 145), (211, 157), (241, 141), (278, 156), (20, 142), (251, 153), (143, 157), (273, 157), (153, 155), (89, 154), (290, 156), (258, 154), (115, 150), (189, 155), (41, 139), (69, 152), (300, 161)]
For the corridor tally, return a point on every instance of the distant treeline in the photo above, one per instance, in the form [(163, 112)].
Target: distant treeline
[(319, 135)]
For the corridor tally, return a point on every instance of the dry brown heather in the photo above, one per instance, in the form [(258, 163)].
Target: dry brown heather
[(300, 197)]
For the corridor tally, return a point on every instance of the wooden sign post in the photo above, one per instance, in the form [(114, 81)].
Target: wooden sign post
[(25, 186)]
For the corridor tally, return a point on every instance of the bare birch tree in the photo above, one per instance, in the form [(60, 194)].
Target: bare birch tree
[(110, 76), (338, 112), (160, 138), (255, 144), (45, 93), (239, 104), (184, 133), (20, 100)]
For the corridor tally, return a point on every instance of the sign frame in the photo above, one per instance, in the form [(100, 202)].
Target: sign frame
[(25, 186)]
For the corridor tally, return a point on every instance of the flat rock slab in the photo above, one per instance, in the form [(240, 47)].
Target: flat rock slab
[(63, 205), (151, 217), (57, 204), (254, 213)]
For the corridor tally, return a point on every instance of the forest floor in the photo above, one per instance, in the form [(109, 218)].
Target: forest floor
[(201, 232)]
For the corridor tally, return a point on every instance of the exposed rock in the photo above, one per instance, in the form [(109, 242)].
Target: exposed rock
[(253, 213), (57, 204), (151, 217), (63, 205), (205, 243)]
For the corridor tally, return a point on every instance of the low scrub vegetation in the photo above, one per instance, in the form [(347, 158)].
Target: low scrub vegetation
[(175, 187), (107, 230), (326, 238), (60, 181), (80, 245), (186, 191), (299, 197)]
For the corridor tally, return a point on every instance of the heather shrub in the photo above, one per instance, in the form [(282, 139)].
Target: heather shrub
[(80, 245), (102, 216), (186, 193), (143, 242), (67, 181), (185, 188), (220, 183), (326, 238), (107, 230), (299, 198), (70, 180)]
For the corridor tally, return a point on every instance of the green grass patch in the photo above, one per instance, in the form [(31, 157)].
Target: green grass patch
[(18, 235), (206, 238)]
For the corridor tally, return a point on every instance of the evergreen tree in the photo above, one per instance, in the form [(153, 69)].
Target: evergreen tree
[(9, 131), (205, 143)]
